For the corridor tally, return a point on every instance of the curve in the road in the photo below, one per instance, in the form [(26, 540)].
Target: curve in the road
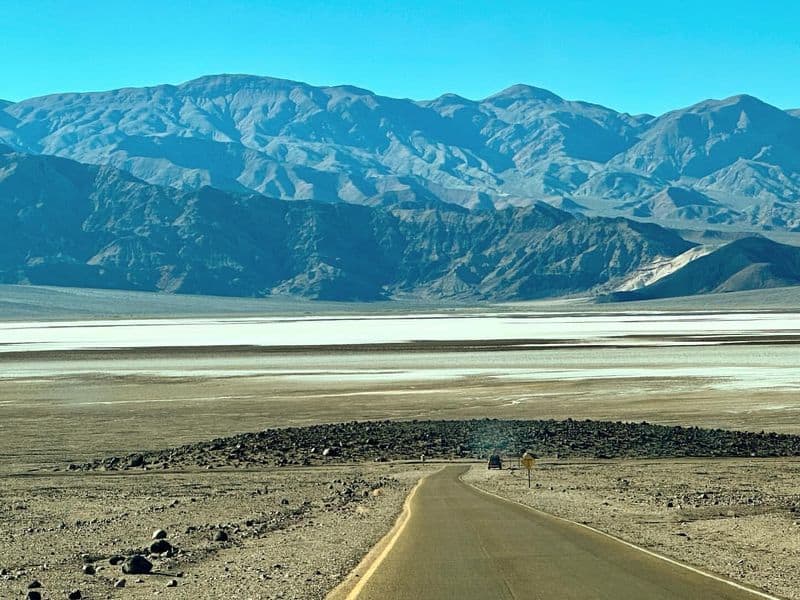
[(461, 543)]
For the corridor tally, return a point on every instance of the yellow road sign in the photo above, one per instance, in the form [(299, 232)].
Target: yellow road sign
[(527, 461)]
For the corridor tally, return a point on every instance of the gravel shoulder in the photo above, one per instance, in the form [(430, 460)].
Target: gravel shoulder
[(291, 532), (736, 517)]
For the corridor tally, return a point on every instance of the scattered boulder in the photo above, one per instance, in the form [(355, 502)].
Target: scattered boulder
[(136, 460), (75, 595), (160, 546), (35, 584), (33, 595), (89, 570), (159, 534), (137, 565), (117, 559), (120, 583), (221, 536), (172, 583)]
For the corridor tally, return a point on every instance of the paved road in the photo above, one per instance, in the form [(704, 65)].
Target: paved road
[(461, 544)]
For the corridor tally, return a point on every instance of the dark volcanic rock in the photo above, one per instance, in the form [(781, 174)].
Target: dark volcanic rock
[(137, 565), (407, 440), (221, 536), (160, 546)]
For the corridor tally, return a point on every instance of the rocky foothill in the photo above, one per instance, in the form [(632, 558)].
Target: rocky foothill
[(468, 439)]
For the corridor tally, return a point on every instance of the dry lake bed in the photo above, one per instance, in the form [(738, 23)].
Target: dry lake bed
[(146, 384)]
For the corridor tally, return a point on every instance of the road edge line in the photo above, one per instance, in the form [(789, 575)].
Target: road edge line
[(672, 561), (346, 590)]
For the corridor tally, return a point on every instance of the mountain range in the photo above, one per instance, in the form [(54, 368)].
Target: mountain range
[(520, 195), (70, 224), (732, 162)]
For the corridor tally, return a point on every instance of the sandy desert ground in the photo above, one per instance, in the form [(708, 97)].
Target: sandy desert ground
[(291, 533)]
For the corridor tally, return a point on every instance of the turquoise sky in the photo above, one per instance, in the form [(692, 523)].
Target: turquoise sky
[(633, 56)]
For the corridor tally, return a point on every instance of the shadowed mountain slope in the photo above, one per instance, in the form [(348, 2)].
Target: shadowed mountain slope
[(70, 224)]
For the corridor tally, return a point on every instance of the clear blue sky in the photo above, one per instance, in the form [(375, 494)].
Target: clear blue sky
[(643, 56)]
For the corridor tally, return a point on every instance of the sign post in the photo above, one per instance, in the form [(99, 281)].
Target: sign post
[(527, 462)]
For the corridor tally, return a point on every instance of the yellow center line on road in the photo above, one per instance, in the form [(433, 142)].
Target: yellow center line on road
[(384, 546)]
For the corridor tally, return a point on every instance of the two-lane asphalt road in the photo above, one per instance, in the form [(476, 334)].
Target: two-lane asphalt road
[(463, 544)]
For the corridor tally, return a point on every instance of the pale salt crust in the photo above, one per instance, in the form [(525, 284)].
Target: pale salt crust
[(351, 330), (717, 367)]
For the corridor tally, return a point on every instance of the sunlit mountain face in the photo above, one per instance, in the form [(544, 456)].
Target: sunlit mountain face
[(731, 162)]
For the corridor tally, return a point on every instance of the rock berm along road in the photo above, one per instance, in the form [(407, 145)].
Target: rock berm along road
[(461, 543)]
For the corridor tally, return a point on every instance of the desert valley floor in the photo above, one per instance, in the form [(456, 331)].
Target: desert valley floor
[(73, 391)]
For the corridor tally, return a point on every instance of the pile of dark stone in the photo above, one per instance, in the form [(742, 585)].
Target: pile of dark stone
[(466, 439)]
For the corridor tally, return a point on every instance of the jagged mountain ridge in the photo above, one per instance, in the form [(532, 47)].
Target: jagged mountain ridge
[(290, 140), (70, 224), (296, 141)]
